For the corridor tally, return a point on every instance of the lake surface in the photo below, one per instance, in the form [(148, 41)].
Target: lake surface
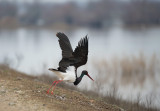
[(33, 51), (29, 49)]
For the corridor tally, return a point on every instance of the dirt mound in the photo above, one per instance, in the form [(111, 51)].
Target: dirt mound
[(20, 92)]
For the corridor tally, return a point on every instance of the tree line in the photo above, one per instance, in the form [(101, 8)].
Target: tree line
[(98, 14)]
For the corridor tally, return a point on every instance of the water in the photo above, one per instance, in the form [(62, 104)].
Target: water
[(28, 50), (33, 51)]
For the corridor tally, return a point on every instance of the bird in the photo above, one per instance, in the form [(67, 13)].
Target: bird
[(71, 60)]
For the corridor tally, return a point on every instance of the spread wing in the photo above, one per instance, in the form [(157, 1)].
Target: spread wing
[(70, 58), (81, 52), (65, 45), (66, 51)]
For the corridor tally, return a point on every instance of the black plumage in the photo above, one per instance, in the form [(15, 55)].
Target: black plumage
[(75, 58)]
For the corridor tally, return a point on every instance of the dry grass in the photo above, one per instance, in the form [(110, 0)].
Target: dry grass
[(133, 71), (115, 98)]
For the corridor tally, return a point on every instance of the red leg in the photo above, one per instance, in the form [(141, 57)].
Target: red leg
[(51, 86), (55, 85)]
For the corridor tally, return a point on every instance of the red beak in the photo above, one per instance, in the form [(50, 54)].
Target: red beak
[(90, 77)]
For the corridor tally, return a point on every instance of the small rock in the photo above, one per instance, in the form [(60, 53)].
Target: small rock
[(44, 104), (38, 91), (18, 78), (63, 95), (19, 92), (15, 89), (2, 86), (91, 101), (2, 91), (60, 97), (11, 103)]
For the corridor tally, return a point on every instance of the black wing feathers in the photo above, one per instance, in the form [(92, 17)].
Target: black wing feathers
[(65, 45), (70, 58), (82, 49), (81, 52)]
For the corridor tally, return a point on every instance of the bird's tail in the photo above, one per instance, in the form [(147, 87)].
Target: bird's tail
[(51, 69)]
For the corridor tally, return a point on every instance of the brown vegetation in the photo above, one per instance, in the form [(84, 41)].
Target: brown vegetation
[(126, 71)]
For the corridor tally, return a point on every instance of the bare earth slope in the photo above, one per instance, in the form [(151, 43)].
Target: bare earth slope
[(19, 92)]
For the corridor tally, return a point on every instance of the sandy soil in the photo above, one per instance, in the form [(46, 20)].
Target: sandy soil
[(20, 92)]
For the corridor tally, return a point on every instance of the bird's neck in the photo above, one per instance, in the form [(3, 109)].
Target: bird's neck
[(78, 79), (81, 76)]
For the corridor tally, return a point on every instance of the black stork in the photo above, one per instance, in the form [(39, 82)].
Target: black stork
[(70, 58)]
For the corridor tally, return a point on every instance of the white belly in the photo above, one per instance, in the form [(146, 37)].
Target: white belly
[(69, 76)]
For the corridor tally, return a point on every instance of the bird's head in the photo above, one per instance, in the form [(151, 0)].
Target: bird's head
[(86, 73)]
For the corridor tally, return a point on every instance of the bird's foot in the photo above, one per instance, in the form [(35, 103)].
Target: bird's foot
[(52, 92), (56, 82), (50, 87), (55, 85)]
